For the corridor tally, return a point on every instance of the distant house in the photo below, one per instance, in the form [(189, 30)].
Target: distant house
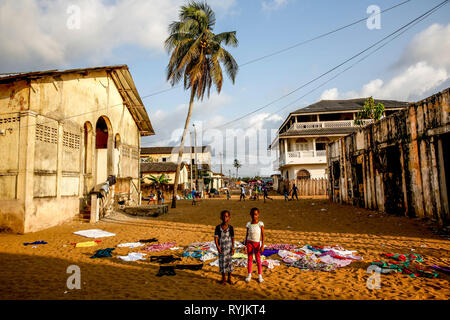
[(302, 138), (62, 133), (168, 169)]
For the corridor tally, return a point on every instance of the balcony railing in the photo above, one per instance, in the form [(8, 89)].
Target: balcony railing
[(328, 124), (300, 157)]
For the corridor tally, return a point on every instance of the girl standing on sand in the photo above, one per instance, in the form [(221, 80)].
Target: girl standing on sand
[(254, 241), (224, 239)]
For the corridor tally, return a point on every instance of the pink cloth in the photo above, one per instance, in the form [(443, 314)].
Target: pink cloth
[(254, 247), (160, 246)]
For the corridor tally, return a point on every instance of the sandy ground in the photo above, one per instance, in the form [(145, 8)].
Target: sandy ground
[(40, 273)]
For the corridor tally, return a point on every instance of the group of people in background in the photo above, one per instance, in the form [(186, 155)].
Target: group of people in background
[(254, 192), (293, 191)]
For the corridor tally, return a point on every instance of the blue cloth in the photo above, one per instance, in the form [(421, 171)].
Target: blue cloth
[(269, 252), (103, 253), (36, 242)]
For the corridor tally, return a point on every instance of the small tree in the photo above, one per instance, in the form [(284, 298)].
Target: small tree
[(157, 181), (369, 111), (237, 165)]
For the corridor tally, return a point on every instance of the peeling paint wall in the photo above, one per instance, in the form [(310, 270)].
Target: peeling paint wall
[(399, 165), (43, 173)]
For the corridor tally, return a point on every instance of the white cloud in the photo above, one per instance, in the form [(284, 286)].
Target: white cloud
[(271, 5), (423, 67), (330, 94), (34, 33)]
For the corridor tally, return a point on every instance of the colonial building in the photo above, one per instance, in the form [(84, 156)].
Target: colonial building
[(398, 165), (169, 169), (301, 141), (62, 134)]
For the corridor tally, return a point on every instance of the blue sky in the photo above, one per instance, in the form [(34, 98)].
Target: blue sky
[(412, 67)]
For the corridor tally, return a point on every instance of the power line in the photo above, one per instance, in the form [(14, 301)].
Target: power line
[(334, 68), (320, 36)]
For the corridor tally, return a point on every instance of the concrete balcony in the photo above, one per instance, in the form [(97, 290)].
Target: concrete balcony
[(301, 157), (327, 124)]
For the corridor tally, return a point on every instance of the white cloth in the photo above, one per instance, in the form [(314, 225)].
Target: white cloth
[(254, 231), (133, 256), (94, 233), (130, 245), (208, 256), (339, 262), (270, 263)]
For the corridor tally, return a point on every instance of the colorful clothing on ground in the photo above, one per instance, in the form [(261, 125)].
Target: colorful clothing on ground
[(160, 247), (103, 253), (406, 264)]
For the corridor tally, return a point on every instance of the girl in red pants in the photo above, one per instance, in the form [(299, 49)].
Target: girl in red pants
[(254, 241)]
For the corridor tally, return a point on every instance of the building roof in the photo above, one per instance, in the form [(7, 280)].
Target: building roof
[(346, 105), (170, 150), (320, 131), (160, 167), (121, 77)]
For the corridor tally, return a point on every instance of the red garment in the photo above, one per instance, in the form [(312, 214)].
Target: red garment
[(254, 247)]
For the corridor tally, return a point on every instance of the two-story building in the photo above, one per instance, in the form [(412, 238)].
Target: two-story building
[(63, 133), (302, 139)]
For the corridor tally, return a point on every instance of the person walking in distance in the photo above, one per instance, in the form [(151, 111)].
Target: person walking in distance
[(242, 193), (294, 192)]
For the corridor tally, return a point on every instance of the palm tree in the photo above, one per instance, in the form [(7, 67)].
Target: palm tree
[(237, 165), (196, 57), (157, 181)]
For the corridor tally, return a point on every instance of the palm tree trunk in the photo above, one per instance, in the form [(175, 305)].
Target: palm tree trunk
[(180, 153)]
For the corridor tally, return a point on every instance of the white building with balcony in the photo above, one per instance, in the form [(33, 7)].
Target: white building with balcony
[(302, 139)]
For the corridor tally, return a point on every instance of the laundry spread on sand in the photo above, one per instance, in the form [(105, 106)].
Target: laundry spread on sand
[(166, 271), (206, 250), (164, 259), (85, 244), (268, 252), (133, 256), (94, 233), (409, 264), (160, 247), (35, 243), (130, 245), (103, 253), (327, 258), (287, 247)]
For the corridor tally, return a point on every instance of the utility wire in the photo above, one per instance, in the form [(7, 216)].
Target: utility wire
[(334, 68)]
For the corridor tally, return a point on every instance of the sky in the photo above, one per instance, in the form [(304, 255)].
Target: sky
[(62, 34)]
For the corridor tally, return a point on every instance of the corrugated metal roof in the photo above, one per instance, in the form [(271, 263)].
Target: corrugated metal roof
[(346, 105), (121, 77), (170, 150), (160, 167)]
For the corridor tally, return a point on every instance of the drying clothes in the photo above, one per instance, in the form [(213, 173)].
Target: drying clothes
[(166, 271), (133, 256), (340, 263), (270, 263), (310, 263), (269, 252), (288, 256), (406, 264), (35, 243), (85, 244), (103, 253), (287, 247), (176, 248), (340, 251), (160, 247), (163, 259), (130, 245), (193, 254), (334, 255), (441, 268), (149, 240), (208, 256), (94, 233), (194, 267)]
